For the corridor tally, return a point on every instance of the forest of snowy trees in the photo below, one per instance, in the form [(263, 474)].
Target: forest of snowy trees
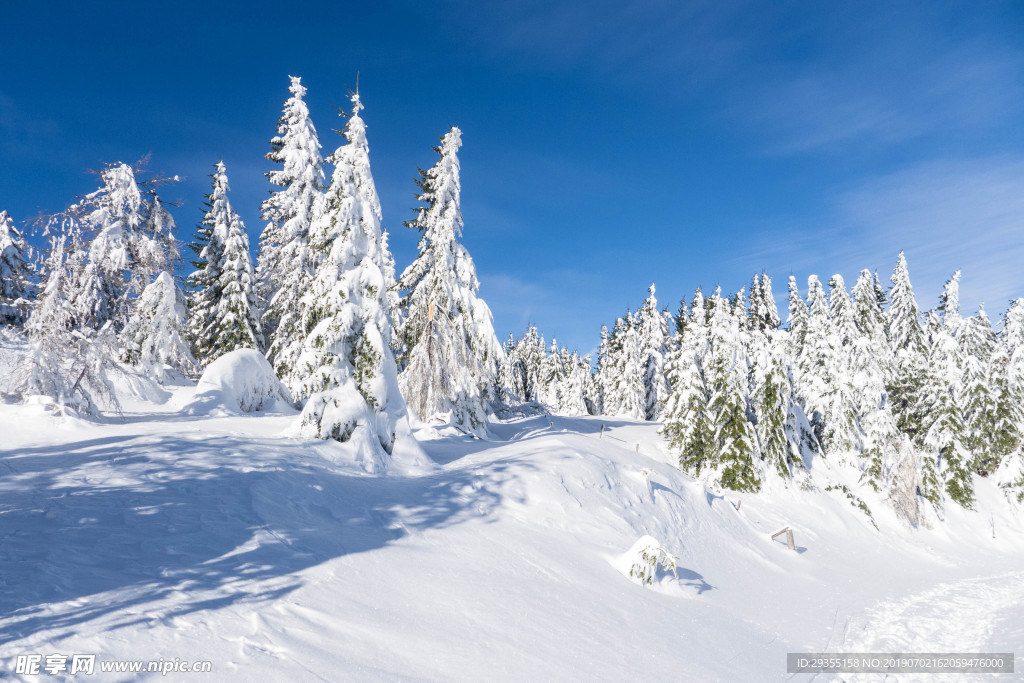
[(915, 406)]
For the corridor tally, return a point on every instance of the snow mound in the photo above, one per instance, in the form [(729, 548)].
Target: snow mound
[(241, 381), (646, 562)]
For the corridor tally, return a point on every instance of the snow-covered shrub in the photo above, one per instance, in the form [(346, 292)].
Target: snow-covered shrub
[(239, 381), (646, 558)]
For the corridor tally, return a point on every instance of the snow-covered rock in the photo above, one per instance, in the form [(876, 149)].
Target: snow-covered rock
[(241, 381)]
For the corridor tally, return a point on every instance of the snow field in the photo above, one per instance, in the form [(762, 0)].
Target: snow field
[(170, 535)]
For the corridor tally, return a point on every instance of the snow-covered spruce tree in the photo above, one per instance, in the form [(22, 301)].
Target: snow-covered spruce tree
[(654, 329), (287, 262), (509, 373), (783, 436), (1008, 369), (222, 306), (884, 448), (604, 368), (949, 304), (16, 286), (443, 279), (524, 366), (700, 309), (797, 322), (552, 374), (441, 348), (978, 391), (687, 421), (568, 385), (945, 434), (349, 371), (1007, 372), (575, 395), (681, 320), (764, 314), (624, 393), (869, 319), (906, 380), (68, 360), (130, 240), (841, 428), (814, 363), (737, 461), (155, 336)]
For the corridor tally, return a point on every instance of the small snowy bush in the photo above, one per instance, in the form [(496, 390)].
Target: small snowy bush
[(648, 558), (239, 381)]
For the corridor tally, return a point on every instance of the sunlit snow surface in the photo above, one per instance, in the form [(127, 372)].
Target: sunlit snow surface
[(164, 534)]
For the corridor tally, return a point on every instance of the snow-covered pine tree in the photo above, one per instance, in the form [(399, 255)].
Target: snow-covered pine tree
[(287, 262), (1008, 368), (681, 320), (700, 313), (738, 463), (552, 373), (904, 315), (945, 434), (222, 306), (129, 241), (67, 360), (841, 432), (1007, 372), (978, 397), (907, 378), (508, 373), (349, 371), (155, 336), (687, 421), (796, 323), (869, 319), (604, 367), (883, 446), (814, 362), (624, 372), (442, 374), (764, 314), (654, 330), (782, 438), (16, 286), (443, 279), (575, 396), (525, 362), (754, 314)]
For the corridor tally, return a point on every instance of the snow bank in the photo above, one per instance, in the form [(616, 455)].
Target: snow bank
[(241, 381)]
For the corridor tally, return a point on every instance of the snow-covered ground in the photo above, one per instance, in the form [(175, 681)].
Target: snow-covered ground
[(167, 534)]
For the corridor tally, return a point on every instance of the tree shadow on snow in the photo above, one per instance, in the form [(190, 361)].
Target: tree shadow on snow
[(120, 533)]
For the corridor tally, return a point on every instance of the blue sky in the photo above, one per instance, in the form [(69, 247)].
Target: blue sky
[(607, 145)]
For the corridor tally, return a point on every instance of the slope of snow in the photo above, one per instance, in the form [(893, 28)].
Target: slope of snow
[(165, 534)]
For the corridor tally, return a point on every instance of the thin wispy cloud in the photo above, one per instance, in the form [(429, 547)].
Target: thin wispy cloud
[(946, 215)]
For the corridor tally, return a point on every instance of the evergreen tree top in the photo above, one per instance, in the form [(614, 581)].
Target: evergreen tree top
[(949, 302), (9, 234), (117, 202), (296, 88), (296, 146), (904, 316)]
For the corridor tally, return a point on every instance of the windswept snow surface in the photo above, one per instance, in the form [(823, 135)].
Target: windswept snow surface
[(160, 534)]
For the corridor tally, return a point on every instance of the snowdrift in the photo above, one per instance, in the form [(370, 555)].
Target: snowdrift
[(242, 381), (561, 549)]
